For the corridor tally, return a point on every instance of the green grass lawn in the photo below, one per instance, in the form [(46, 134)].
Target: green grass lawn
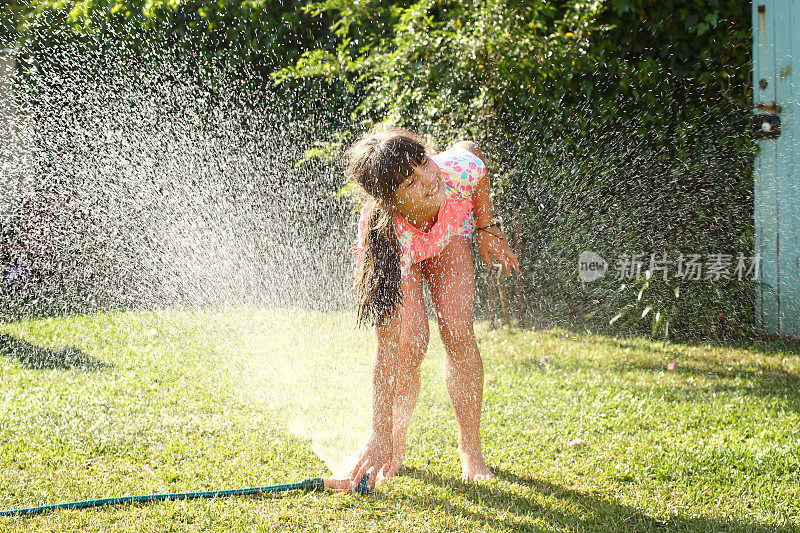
[(134, 403)]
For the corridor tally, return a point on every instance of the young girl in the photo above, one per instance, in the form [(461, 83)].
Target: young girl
[(417, 224)]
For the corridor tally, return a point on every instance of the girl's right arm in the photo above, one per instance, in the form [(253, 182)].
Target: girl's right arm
[(384, 371), (376, 453)]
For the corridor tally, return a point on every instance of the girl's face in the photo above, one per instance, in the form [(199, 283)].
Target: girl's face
[(421, 195)]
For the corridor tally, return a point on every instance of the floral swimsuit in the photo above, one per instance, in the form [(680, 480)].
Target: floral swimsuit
[(461, 170)]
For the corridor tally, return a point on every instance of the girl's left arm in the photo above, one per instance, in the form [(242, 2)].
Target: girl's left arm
[(491, 241)]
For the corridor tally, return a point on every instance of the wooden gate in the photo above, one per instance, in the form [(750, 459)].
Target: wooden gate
[(776, 32)]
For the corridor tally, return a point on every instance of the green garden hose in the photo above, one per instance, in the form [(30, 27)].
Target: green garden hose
[(313, 484)]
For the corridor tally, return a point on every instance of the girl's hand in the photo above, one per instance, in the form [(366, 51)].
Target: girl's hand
[(374, 458), (492, 243)]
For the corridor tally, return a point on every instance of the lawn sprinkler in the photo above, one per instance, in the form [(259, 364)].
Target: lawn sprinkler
[(313, 484)]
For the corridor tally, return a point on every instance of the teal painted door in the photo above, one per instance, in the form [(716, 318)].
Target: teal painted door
[(776, 34)]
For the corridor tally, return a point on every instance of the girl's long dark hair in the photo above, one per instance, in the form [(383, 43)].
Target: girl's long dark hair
[(379, 162)]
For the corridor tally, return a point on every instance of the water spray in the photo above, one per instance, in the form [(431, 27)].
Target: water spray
[(204, 202), (309, 485)]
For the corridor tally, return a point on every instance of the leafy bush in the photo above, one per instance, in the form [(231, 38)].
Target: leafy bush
[(261, 34), (610, 126)]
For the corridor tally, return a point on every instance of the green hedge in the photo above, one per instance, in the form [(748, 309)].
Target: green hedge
[(613, 126), (616, 126), (263, 34)]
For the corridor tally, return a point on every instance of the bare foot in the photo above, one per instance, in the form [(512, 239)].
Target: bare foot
[(473, 467)]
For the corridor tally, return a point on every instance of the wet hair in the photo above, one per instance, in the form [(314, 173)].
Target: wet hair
[(379, 162)]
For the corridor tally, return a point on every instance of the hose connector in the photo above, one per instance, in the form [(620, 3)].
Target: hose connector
[(314, 484), (361, 488)]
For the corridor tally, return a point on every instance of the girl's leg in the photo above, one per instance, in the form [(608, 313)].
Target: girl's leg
[(414, 335), (451, 279)]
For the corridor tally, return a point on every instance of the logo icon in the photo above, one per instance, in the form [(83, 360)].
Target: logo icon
[(591, 266)]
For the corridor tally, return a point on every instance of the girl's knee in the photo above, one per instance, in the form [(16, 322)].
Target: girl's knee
[(460, 344), (414, 342), (415, 327), (413, 347), (457, 332)]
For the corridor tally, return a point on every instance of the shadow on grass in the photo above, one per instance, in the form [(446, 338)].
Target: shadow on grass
[(510, 511), (769, 379), (38, 358), (758, 344), (753, 377), (747, 338)]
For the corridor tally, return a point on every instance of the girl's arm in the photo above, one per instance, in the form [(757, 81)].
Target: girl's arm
[(481, 199), (384, 371), (376, 454), (491, 242)]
